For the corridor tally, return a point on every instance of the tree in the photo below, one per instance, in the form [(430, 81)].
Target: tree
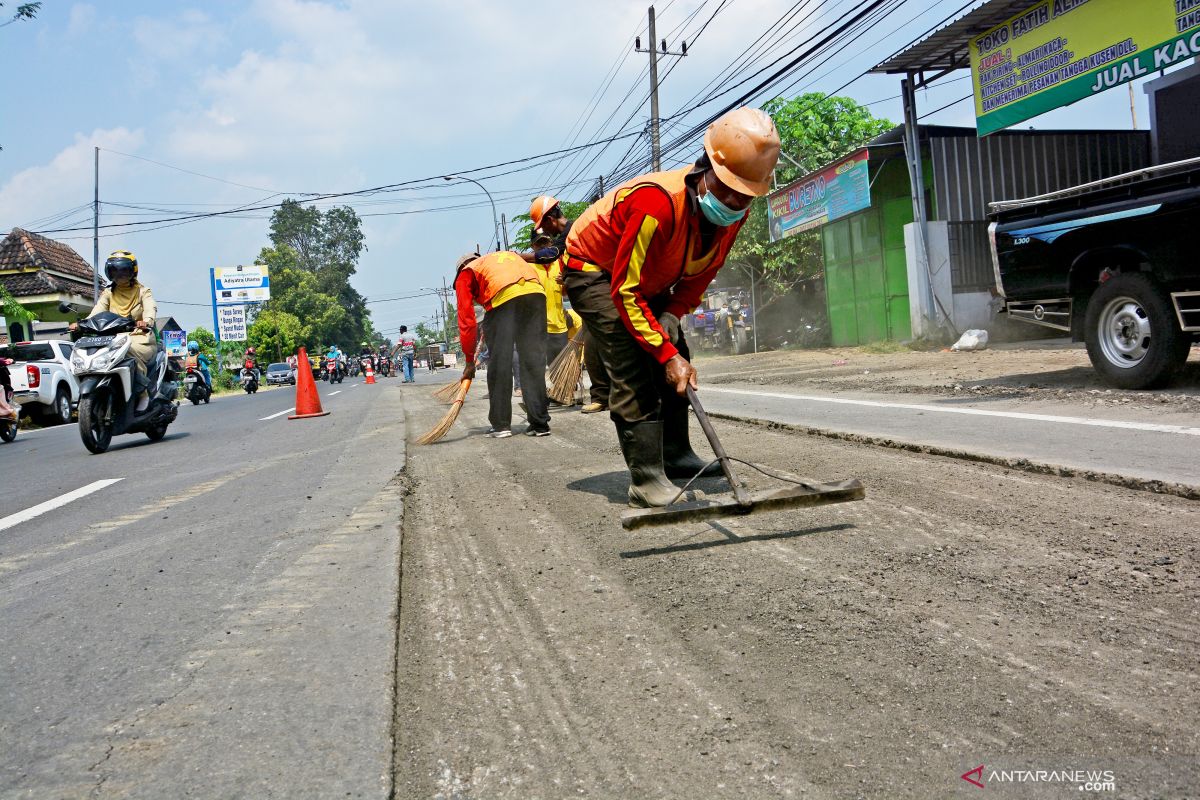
[(24, 11), (813, 130), (427, 334), (204, 339), (275, 335), (522, 239), (313, 255)]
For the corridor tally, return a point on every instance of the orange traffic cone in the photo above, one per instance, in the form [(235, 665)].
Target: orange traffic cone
[(370, 374), (308, 402)]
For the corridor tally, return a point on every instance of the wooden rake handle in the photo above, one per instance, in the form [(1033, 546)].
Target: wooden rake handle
[(739, 494)]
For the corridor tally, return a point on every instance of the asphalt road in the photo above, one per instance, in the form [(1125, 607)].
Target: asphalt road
[(214, 618), (1159, 448)]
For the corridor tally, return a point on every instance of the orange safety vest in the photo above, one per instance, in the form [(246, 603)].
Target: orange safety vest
[(495, 272), (593, 240)]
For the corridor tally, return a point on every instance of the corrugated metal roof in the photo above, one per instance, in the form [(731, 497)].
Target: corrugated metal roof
[(946, 48)]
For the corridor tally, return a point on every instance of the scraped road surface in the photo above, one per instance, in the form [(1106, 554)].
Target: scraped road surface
[(963, 614)]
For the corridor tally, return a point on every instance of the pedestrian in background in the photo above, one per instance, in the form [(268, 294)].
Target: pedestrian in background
[(408, 350)]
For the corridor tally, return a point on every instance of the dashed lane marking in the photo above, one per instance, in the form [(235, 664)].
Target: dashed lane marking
[(278, 414), (50, 505)]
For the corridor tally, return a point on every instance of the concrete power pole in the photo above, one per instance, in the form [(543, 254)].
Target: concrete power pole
[(504, 229), (653, 50), (96, 233)]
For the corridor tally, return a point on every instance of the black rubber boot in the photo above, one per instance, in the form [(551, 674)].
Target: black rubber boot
[(641, 444), (679, 460)]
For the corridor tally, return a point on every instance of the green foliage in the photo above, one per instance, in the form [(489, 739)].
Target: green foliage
[(312, 256), (275, 335), (813, 130), (427, 334), (522, 239), (11, 310), (24, 11)]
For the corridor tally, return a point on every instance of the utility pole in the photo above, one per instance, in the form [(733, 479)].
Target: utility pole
[(504, 229), (446, 313), (1132, 107), (96, 233), (655, 147)]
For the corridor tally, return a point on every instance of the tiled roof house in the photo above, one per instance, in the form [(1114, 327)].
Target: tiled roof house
[(40, 273)]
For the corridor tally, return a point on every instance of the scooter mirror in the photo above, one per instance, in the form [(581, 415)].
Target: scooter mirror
[(64, 307)]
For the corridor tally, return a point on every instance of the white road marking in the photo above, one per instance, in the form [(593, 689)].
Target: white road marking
[(278, 414), (1100, 423), (339, 391), (50, 505)]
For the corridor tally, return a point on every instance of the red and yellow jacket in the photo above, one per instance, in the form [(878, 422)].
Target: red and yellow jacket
[(646, 236), (490, 281)]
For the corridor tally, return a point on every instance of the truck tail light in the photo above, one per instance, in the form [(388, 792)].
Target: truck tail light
[(34, 375)]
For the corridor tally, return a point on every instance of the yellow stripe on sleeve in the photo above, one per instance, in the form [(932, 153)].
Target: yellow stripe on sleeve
[(633, 277)]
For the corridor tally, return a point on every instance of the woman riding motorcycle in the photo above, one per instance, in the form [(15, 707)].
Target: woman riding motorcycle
[(129, 298), (198, 361)]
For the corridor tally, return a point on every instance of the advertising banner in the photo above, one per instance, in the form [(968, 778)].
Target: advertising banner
[(1057, 52), (175, 342), (231, 323), (836, 191), (241, 284)]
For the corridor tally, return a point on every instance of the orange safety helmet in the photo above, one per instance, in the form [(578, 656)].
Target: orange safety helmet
[(540, 206), (743, 147)]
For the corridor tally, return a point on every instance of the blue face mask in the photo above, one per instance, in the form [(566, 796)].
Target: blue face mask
[(717, 212)]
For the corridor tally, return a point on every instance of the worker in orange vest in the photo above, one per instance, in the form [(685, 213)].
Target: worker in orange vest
[(549, 221), (639, 260), (514, 305)]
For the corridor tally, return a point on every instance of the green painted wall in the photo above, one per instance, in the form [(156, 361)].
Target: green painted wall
[(866, 270)]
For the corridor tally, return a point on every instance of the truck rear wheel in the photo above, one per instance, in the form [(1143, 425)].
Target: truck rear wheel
[(1132, 339)]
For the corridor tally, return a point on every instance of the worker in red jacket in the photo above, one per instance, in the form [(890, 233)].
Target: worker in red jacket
[(638, 260)]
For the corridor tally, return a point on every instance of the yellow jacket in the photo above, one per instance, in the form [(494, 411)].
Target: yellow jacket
[(556, 319)]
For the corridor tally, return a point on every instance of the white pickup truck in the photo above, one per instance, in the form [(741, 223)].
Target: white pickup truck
[(42, 380)]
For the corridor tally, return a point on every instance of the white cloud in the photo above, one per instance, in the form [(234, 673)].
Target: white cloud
[(65, 181), (81, 20)]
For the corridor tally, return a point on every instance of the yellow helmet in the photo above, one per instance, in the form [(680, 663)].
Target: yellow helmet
[(121, 261)]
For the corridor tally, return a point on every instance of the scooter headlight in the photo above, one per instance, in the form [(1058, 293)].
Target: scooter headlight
[(78, 361)]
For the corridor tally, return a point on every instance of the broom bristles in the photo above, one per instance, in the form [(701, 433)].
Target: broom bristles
[(447, 421), (446, 393), (565, 371)]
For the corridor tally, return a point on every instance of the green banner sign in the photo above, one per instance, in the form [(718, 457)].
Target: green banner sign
[(1058, 52)]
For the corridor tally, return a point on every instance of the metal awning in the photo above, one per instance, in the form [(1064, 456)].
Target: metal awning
[(946, 49)]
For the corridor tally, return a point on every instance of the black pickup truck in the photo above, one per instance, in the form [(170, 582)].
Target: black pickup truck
[(1112, 263)]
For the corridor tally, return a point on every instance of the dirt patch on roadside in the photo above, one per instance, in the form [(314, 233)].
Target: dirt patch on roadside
[(1036, 372)]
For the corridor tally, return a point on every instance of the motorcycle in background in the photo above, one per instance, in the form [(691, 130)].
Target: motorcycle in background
[(249, 378), (333, 371), (8, 425), (198, 390)]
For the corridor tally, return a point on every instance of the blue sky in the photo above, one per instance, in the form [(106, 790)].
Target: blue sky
[(288, 97)]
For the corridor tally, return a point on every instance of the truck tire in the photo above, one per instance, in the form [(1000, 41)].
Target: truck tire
[(59, 412), (1132, 339)]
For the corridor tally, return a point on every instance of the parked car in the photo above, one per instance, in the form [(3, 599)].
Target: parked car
[(280, 374), (1110, 263), (42, 379)]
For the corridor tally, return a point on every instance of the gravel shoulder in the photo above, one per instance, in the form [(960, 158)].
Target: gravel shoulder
[(963, 614)]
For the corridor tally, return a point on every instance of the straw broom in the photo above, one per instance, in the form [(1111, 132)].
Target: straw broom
[(447, 421), (565, 371), (446, 393)]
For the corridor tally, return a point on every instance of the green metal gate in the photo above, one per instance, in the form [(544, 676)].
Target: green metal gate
[(866, 275)]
